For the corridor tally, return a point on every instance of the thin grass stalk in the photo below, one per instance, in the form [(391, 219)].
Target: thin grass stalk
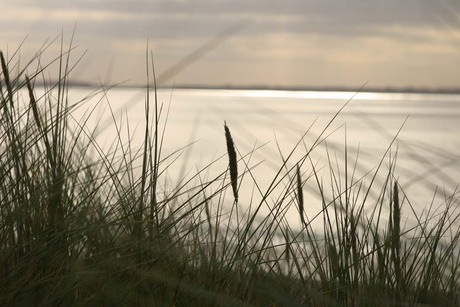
[(146, 155), (431, 278), (396, 239), (154, 163), (355, 253)]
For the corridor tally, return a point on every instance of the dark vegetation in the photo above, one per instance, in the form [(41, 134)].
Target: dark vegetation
[(83, 226)]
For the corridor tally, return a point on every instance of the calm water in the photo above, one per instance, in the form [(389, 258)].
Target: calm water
[(428, 146)]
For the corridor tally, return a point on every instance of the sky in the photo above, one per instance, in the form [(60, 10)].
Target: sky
[(271, 43)]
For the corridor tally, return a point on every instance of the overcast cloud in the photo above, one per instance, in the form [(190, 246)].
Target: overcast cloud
[(280, 43)]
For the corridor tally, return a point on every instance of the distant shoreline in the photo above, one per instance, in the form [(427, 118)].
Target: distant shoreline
[(414, 90)]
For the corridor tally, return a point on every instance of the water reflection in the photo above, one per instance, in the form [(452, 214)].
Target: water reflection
[(427, 147)]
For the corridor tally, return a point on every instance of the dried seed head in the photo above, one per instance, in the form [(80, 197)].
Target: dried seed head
[(233, 165), (6, 77), (300, 195)]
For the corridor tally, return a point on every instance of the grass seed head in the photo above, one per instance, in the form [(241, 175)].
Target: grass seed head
[(233, 165), (300, 195)]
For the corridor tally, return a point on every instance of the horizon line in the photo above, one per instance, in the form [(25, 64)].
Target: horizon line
[(255, 87)]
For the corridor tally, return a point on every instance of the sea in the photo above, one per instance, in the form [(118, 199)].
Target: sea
[(341, 141)]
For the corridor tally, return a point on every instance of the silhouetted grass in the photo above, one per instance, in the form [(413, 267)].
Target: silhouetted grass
[(84, 226)]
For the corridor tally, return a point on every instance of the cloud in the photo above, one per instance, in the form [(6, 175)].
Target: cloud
[(327, 17), (204, 18), (294, 32)]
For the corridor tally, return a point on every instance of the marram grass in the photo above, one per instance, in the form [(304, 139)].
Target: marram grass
[(82, 226)]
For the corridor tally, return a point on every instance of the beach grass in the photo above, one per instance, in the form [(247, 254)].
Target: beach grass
[(82, 225)]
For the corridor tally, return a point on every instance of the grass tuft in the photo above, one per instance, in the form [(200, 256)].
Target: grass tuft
[(81, 225)]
